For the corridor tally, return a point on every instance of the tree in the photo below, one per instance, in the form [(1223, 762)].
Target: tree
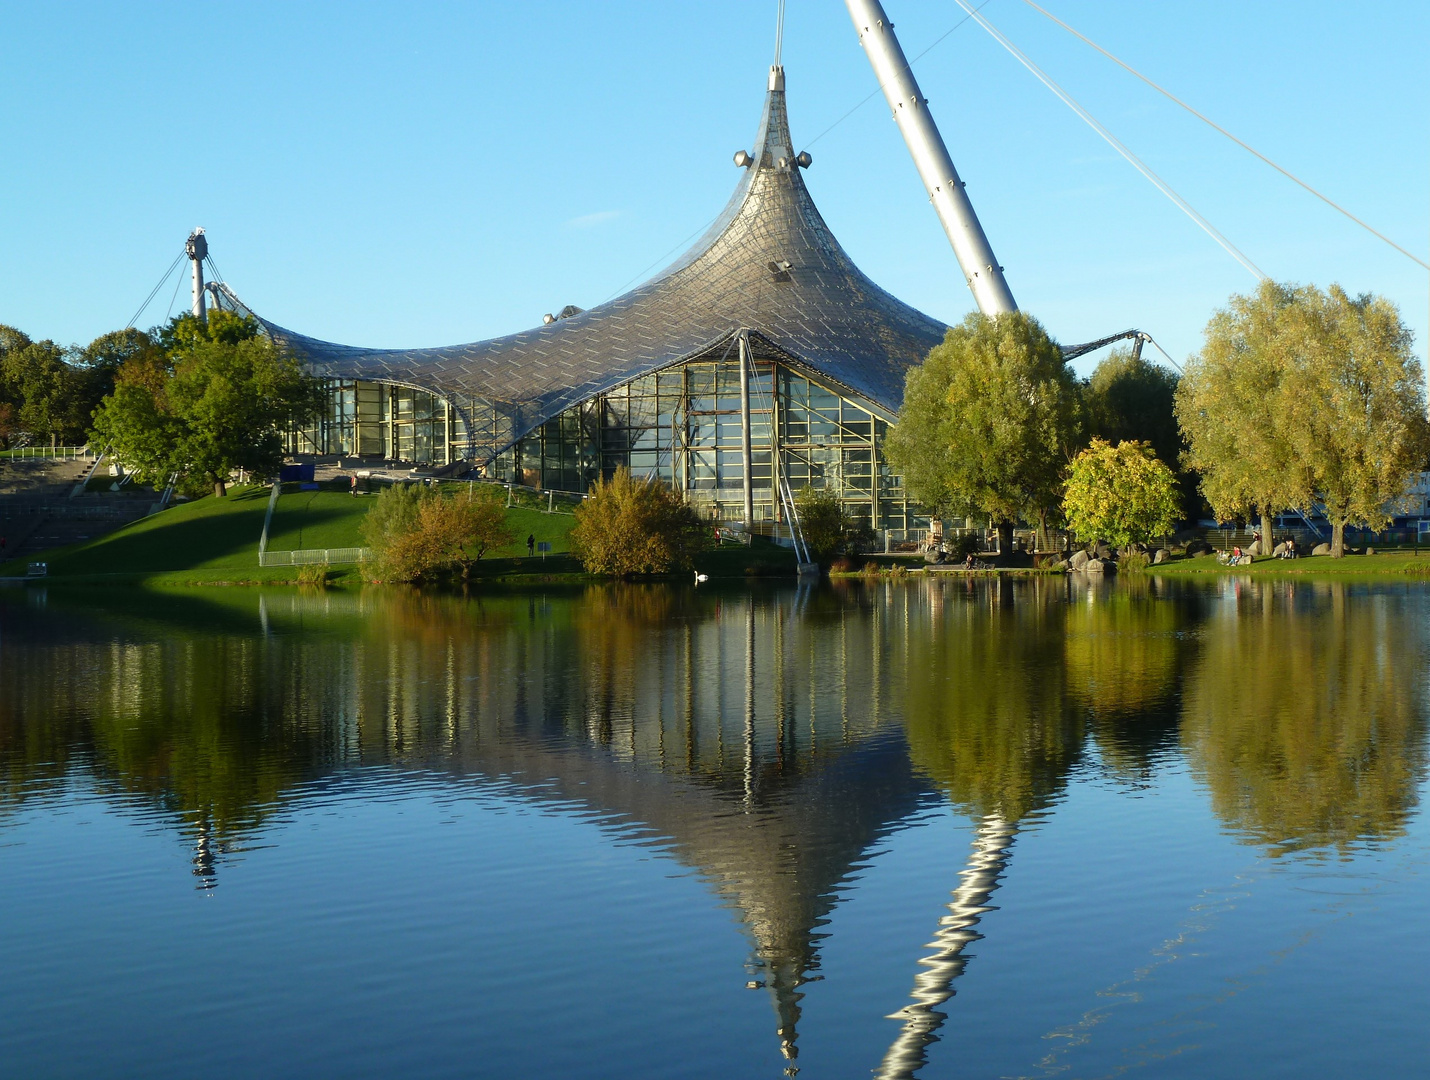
[(214, 400), (1230, 402), (1121, 494), (42, 385), (1353, 406), (989, 422), (1128, 398), (627, 526)]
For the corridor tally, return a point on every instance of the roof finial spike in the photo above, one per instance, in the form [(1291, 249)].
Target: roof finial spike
[(779, 31)]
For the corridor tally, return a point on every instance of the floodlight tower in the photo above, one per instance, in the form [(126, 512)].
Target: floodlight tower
[(197, 248), (911, 113)]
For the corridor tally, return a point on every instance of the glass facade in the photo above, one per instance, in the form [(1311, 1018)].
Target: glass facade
[(683, 426)]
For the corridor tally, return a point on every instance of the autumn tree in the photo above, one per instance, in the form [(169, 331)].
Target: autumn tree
[(1230, 404), (989, 423), (1121, 494), (214, 399), (629, 526)]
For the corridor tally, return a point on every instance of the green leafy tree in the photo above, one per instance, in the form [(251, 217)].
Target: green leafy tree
[(1129, 399), (1230, 404), (214, 401), (627, 526), (989, 422), (1121, 494), (44, 389), (1353, 406)]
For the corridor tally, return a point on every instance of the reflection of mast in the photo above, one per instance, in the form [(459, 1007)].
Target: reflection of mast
[(206, 856), (933, 986)]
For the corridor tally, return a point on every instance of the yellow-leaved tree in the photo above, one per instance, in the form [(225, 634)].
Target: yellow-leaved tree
[(1121, 494)]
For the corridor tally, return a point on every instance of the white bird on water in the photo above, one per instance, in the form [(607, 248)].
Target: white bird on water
[(699, 577)]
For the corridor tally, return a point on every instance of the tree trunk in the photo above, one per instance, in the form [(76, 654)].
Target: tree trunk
[(220, 488), (1267, 544), (1005, 538), (1338, 539)]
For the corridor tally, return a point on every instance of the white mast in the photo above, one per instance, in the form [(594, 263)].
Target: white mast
[(970, 245), (197, 249)]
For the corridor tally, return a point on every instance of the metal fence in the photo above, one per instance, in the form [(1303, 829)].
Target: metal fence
[(46, 453), (313, 557)]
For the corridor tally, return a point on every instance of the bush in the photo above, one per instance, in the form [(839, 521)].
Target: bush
[(1134, 562), (841, 566), (966, 545), (827, 529), (628, 526), (315, 574), (416, 532)]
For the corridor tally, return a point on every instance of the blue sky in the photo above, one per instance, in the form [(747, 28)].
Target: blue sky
[(425, 174)]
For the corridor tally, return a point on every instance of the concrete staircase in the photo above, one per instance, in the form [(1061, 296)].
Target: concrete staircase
[(38, 512)]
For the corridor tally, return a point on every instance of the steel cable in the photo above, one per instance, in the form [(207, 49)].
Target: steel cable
[(1213, 124), (1112, 140)]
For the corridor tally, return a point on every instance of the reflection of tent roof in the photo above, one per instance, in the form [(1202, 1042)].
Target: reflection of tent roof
[(769, 264)]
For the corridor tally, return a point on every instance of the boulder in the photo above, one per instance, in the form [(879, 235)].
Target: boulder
[(933, 557), (1101, 551), (1095, 566), (1370, 551), (1059, 567), (1199, 547), (1079, 560), (1279, 549), (1321, 549), (1160, 556)]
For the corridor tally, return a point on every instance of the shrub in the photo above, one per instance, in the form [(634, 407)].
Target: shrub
[(628, 526), (841, 566), (1134, 562), (871, 568), (966, 545), (415, 533), (315, 574), (827, 529)]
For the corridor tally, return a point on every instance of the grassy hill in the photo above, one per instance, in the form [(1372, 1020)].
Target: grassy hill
[(216, 540)]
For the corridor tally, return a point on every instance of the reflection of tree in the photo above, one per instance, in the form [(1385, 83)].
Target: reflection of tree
[(1308, 726), (987, 714), (989, 719), (1123, 653)]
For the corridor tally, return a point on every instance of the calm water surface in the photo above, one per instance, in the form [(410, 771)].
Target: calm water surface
[(935, 829)]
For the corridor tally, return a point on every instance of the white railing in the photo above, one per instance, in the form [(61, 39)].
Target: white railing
[(46, 453), (313, 557)]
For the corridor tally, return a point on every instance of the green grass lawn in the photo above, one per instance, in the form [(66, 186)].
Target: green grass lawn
[(1396, 562), (315, 519)]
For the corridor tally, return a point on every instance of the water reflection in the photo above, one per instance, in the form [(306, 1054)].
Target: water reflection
[(766, 739)]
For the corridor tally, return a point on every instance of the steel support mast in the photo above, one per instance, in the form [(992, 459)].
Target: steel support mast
[(911, 113), (197, 248)]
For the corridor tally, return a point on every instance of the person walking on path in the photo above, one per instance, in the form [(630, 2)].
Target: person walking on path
[(530, 545), (352, 490)]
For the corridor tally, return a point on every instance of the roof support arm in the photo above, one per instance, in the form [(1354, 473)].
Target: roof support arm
[(955, 212)]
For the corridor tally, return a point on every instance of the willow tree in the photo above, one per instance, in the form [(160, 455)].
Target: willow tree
[(1231, 402), (1353, 406), (989, 422)]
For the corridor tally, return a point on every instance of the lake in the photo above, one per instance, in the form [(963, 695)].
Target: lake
[(935, 828)]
